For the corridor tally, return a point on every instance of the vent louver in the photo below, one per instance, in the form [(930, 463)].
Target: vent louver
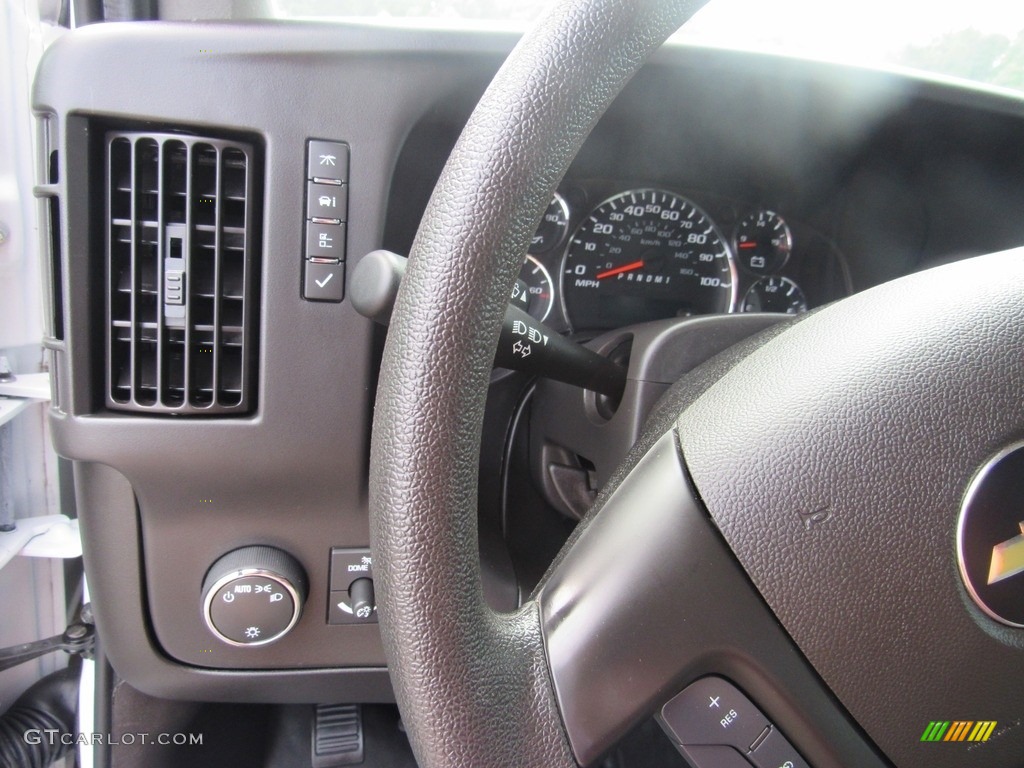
[(182, 275)]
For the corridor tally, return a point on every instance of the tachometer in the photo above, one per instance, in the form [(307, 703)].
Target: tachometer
[(646, 255), (553, 227)]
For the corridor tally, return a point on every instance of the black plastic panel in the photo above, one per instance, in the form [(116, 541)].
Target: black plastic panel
[(182, 256)]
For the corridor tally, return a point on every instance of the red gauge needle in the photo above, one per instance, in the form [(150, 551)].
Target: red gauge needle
[(752, 244), (620, 270)]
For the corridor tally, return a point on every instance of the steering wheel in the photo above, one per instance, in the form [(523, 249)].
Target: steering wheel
[(789, 523)]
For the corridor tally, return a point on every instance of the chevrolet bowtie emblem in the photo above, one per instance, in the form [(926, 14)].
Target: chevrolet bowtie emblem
[(988, 557), (1007, 558)]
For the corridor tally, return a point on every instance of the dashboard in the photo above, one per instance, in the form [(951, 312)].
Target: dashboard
[(719, 182), (642, 254)]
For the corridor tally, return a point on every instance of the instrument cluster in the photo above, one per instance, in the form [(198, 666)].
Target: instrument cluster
[(649, 253)]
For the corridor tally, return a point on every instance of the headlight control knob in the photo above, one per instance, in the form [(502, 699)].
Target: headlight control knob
[(253, 596)]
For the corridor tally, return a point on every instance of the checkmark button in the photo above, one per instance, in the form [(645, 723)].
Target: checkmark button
[(324, 282)]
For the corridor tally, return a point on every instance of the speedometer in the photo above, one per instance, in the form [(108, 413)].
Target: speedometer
[(646, 255)]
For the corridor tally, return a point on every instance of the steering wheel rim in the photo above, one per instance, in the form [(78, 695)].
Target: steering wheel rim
[(447, 651), (475, 687)]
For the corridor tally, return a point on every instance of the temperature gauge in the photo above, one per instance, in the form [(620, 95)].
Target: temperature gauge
[(532, 291)]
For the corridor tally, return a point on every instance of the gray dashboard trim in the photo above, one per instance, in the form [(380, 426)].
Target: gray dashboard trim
[(111, 535)]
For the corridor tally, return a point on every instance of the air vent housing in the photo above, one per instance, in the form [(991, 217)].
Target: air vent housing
[(183, 278)]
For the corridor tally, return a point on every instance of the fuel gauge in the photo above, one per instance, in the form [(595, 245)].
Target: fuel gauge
[(763, 242), (775, 294)]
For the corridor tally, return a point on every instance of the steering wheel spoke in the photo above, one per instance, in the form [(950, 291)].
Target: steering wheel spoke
[(648, 599)]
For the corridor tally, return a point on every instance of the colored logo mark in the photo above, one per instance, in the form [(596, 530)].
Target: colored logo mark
[(959, 730), (1007, 558)]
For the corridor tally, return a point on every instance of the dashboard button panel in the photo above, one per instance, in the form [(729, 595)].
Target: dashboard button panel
[(324, 243)]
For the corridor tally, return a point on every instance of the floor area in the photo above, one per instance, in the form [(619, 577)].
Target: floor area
[(279, 736)]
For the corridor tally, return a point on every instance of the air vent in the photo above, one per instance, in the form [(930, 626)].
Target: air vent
[(182, 274)]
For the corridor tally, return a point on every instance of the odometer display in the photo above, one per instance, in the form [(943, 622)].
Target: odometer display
[(646, 255)]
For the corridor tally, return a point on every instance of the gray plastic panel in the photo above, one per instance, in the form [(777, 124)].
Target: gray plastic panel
[(113, 560), (293, 474)]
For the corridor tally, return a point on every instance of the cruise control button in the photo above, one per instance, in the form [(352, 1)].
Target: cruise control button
[(326, 201), (327, 160), (324, 282), (326, 241), (714, 711), (776, 752), (715, 757)]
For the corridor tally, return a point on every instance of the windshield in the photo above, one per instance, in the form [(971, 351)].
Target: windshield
[(982, 40)]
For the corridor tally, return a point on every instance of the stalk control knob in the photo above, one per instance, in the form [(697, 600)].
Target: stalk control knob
[(363, 601), (253, 596)]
